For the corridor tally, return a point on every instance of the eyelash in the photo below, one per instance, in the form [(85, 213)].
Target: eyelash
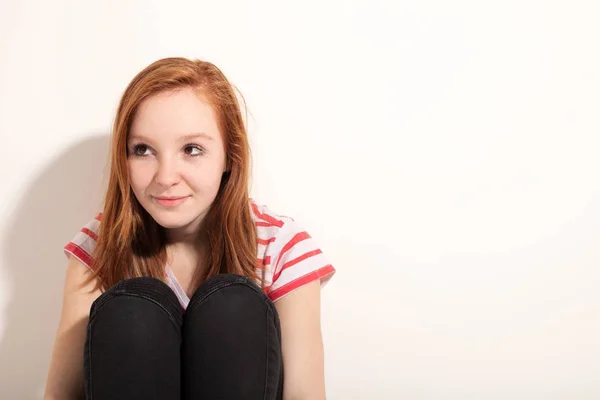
[(136, 147)]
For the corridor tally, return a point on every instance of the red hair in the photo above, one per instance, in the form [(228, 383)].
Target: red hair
[(130, 243)]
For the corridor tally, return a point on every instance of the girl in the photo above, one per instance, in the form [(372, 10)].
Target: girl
[(184, 287)]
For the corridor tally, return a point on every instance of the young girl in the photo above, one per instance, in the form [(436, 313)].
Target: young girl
[(184, 287)]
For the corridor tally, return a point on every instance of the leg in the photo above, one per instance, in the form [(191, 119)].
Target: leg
[(231, 342), (132, 348)]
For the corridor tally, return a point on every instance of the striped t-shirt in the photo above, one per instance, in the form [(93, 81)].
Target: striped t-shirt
[(290, 257)]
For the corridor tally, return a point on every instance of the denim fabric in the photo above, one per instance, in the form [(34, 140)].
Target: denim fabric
[(140, 344), (231, 342)]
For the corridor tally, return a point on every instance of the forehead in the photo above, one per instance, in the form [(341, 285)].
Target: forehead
[(170, 115)]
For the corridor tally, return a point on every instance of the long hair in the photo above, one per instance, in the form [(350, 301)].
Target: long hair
[(130, 243)]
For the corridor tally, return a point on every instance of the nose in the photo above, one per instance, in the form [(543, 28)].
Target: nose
[(167, 173)]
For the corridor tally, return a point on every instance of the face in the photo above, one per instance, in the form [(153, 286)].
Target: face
[(176, 158)]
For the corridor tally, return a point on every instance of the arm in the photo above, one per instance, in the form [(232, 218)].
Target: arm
[(65, 376), (302, 343)]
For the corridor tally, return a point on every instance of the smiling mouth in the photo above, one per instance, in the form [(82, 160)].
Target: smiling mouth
[(170, 201)]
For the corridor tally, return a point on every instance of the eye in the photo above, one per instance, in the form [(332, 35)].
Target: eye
[(140, 150), (193, 150)]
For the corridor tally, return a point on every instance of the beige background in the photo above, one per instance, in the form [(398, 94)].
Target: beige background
[(444, 154)]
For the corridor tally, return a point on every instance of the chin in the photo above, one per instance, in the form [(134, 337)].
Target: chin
[(170, 224), (173, 221), (166, 220)]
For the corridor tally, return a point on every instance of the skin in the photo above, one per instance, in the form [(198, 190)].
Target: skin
[(175, 149)]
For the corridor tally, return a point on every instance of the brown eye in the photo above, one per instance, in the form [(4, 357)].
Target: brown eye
[(140, 150), (193, 150)]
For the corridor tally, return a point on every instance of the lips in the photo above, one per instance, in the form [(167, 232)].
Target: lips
[(170, 201)]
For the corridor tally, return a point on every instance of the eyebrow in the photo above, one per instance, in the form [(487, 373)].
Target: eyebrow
[(186, 138), (198, 135)]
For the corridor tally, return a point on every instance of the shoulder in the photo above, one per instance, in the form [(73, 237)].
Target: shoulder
[(288, 254), (82, 245), (268, 221), (276, 231)]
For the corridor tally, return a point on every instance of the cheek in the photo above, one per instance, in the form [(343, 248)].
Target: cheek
[(207, 177), (140, 176), (204, 181)]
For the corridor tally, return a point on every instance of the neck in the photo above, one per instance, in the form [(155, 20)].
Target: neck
[(189, 246), (189, 234), (182, 236)]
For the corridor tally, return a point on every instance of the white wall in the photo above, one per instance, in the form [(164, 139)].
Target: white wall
[(443, 153)]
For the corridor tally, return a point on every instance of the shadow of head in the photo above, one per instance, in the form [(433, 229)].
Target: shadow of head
[(64, 197)]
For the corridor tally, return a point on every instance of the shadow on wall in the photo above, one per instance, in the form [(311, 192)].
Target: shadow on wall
[(63, 198)]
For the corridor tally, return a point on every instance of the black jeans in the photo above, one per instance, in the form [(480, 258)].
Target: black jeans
[(140, 343)]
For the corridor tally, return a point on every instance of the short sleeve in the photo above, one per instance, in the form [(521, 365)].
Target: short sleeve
[(296, 260), (83, 244)]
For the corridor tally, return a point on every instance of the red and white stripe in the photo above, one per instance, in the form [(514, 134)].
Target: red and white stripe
[(289, 256), (83, 244)]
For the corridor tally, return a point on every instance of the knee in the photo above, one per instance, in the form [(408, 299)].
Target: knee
[(137, 300), (232, 298)]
